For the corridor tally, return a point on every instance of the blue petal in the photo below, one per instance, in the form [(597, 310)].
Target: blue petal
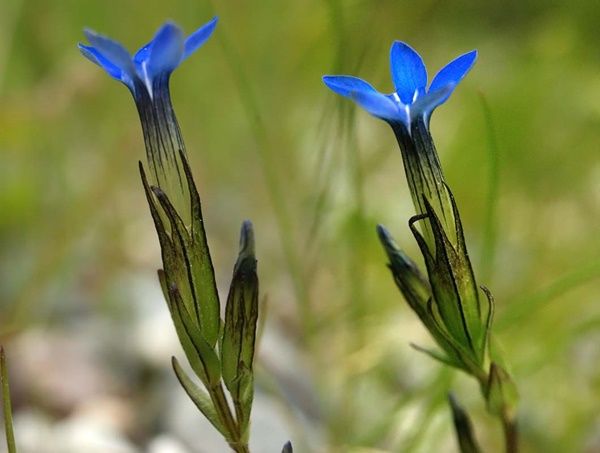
[(165, 50), (454, 71), (379, 105), (346, 85), (408, 71), (427, 103), (142, 55), (111, 52), (95, 57), (199, 37)]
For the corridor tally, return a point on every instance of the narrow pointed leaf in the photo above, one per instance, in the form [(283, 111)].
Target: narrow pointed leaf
[(200, 398), (454, 288), (436, 355), (463, 428), (163, 238), (202, 272), (206, 353), (185, 340), (410, 281), (181, 271)]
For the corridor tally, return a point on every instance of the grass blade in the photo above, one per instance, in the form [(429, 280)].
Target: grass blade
[(488, 249), (7, 407)]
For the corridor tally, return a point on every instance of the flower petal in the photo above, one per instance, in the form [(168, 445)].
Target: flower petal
[(199, 37), (96, 57), (165, 51), (379, 105), (427, 103), (454, 71), (408, 71), (112, 52), (142, 55), (346, 85)]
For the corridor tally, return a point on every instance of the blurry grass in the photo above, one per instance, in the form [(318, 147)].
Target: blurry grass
[(488, 252), (9, 15), (522, 310), (276, 191)]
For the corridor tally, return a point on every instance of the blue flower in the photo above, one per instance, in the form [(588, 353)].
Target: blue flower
[(411, 100), (155, 60)]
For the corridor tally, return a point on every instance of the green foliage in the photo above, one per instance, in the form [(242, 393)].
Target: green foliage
[(463, 428), (195, 313), (69, 194)]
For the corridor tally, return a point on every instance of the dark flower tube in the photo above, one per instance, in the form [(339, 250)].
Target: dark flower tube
[(408, 111), (147, 75)]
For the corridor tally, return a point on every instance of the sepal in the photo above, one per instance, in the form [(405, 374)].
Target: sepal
[(452, 282)]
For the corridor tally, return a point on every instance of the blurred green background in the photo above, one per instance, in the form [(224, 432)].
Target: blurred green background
[(87, 334)]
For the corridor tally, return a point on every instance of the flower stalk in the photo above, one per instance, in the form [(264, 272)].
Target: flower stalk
[(447, 300), (220, 352)]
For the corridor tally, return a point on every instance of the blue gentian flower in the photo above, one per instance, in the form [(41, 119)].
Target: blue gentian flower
[(408, 111), (147, 75), (159, 58), (411, 100)]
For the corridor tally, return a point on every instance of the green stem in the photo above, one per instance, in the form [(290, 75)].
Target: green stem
[(8, 422), (222, 406), (511, 433), (509, 423)]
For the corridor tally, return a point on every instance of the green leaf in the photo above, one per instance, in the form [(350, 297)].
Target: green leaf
[(206, 353), (201, 267), (200, 398), (436, 355), (456, 350), (463, 428), (166, 245), (184, 338), (452, 283), (202, 357), (178, 270), (414, 286)]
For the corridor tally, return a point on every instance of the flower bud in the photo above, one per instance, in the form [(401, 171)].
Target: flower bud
[(239, 335)]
